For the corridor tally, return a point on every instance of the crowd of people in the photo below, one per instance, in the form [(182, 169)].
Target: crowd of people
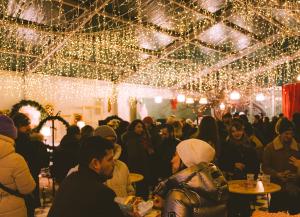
[(185, 166)]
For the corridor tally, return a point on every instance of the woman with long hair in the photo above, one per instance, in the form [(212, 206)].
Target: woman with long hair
[(138, 150), (208, 132)]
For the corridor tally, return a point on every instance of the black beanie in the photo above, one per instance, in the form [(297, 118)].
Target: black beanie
[(285, 125)]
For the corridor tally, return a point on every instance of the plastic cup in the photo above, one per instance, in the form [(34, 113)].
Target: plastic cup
[(266, 179), (250, 180)]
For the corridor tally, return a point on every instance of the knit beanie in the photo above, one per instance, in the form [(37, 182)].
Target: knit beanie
[(285, 125), (105, 131), (195, 151), (7, 127)]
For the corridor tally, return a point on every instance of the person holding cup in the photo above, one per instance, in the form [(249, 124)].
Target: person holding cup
[(280, 162)]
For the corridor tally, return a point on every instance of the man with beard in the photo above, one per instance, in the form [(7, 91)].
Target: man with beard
[(166, 150), (83, 193), (276, 162), (35, 154)]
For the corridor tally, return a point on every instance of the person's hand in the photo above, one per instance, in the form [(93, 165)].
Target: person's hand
[(295, 162), (158, 202), (240, 166)]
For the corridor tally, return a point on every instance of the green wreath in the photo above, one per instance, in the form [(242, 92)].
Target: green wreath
[(49, 118), (15, 109)]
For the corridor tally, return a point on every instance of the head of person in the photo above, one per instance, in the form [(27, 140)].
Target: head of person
[(236, 130), (97, 154), (22, 122), (148, 121), (171, 119), (208, 130), (236, 115), (286, 131), (137, 126), (167, 132), (7, 127), (244, 118), (177, 129), (296, 119), (191, 152), (74, 131), (109, 134), (226, 118), (256, 119), (86, 131)]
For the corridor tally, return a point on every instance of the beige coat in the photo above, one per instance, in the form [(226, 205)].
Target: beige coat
[(14, 174)]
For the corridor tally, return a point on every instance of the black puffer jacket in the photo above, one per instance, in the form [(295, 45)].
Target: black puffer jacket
[(197, 191)]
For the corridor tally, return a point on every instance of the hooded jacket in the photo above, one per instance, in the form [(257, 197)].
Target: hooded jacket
[(14, 174), (197, 191)]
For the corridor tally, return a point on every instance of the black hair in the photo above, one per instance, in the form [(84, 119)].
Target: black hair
[(238, 124), (94, 147), (208, 131), (227, 115), (134, 123), (20, 119), (73, 130), (86, 131), (169, 128)]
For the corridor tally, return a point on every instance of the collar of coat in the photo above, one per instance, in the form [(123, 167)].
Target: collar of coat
[(278, 144)]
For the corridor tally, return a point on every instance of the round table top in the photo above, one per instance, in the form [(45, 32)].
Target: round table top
[(135, 177), (258, 187)]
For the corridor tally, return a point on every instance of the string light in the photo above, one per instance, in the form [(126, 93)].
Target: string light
[(107, 49)]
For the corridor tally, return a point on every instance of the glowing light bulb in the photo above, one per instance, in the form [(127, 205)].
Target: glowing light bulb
[(181, 98), (298, 78), (222, 106), (158, 99), (80, 124), (234, 95), (189, 101)]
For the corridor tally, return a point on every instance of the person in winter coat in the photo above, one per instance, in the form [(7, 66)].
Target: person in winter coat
[(139, 148), (197, 187), (14, 172), (35, 154), (166, 150), (238, 156), (66, 155), (120, 182), (278, 162)]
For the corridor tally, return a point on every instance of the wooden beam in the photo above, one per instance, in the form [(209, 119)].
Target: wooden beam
[(74, 27), (229, 59)]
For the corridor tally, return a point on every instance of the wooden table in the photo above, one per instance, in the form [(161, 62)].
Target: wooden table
[(258, 188), (135, 177)]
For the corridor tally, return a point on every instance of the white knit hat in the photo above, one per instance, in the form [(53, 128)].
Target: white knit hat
[(195, 151)]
